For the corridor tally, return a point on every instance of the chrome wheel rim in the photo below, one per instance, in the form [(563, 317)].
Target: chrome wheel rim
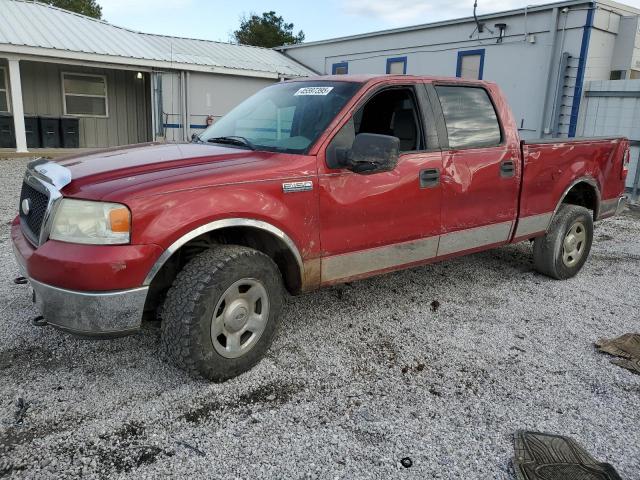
[(239, 318), (574, 244)]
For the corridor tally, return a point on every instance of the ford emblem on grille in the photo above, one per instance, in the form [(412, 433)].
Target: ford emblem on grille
[(26, 206)]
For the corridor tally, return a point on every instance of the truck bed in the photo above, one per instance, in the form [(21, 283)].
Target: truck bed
[(551, 167)]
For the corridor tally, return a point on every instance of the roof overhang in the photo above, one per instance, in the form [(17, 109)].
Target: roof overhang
[(123, 63)]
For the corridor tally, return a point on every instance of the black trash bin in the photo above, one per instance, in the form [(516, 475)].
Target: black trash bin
[(32, 130), (7, 134), (49, 132), (70, 132)]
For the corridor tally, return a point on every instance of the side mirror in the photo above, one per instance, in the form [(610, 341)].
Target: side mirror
[(371, 153)]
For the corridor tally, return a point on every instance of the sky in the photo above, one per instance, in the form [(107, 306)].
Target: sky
[(217, 19)]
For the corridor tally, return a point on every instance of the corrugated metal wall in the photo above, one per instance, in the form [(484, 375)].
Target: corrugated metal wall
[(129, 119), (612, 108)]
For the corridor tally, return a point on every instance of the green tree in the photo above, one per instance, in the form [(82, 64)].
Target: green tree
[(90, 8), (269, 30)]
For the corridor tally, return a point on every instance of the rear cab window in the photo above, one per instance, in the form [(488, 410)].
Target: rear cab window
[(470, 117)]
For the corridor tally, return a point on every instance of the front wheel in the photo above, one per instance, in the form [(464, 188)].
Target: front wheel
[(221, 313), (562, 252)]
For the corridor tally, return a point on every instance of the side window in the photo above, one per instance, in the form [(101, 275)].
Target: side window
[(397, 65), (391, 112), (84, 95), (470, 64), (469, 116)]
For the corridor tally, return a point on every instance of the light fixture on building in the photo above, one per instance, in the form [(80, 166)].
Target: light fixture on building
[(501, 29), (139, 75)]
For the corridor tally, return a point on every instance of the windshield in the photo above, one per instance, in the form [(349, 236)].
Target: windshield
[(285, 117)]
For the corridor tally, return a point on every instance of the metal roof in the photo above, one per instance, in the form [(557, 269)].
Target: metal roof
[(39, 29)]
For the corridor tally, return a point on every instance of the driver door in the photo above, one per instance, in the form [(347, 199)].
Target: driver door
[(371, 223)]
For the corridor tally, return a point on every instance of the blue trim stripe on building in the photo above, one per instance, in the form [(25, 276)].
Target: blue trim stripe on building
[(577, 91), (336, 66), (397, 60), (470, 52)]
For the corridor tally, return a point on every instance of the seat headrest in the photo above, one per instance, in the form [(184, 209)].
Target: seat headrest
[(404, 127)]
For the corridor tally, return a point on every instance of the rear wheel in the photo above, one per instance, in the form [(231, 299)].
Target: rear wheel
[(563, 251), (220, 315)]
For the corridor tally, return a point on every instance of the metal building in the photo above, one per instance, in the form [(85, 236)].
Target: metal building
[(70, 80), (541, 56)]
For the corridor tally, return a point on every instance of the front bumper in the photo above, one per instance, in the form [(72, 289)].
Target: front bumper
[(97, 314), (106, 314)]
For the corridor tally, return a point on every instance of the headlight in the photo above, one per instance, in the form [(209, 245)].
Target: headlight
[(94, 223)]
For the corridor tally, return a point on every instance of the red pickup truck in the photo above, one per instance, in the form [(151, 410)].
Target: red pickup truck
[(308, 183)]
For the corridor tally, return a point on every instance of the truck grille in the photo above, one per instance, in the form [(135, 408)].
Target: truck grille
[(38, 203)]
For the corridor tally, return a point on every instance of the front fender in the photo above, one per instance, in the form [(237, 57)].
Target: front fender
[(174, 218)]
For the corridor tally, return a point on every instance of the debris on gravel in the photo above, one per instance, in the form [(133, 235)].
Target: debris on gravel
[(627, 347), (508, 350), (541, 456)]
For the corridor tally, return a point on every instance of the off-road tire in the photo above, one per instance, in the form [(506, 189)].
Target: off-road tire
[(548, 249), (188, 310)]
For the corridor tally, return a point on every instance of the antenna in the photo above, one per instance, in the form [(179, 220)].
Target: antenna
[(479, 25)]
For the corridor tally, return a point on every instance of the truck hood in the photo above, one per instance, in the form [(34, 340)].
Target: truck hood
[(153, 168)]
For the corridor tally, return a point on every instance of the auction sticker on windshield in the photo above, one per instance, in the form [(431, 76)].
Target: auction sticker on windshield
[(313, 91)]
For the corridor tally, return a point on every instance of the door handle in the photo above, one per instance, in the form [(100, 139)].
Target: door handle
[(507, 169), (429, 178)]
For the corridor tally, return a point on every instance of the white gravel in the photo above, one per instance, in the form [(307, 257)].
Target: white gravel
[(359, 377)]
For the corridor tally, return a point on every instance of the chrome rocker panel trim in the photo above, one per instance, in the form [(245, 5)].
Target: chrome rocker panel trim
[(93, 314), (217, 225)]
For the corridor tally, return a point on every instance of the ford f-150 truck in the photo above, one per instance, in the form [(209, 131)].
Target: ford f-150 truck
[(308, 183)]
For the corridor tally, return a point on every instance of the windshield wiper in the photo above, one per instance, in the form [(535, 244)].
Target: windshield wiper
[(233, 140)]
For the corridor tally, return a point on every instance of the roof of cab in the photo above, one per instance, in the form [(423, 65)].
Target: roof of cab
[(374, 78)]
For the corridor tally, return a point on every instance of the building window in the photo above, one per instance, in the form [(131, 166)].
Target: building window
[(470, 64), (340, 68), (634, 75), (85, 95), (469, 116), (397, 66), (4, 90), (618, 75)]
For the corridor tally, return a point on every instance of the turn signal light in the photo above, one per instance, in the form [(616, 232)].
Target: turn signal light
[(120, 220)]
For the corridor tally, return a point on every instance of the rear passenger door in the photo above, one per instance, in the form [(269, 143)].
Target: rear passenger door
[(481, 171)]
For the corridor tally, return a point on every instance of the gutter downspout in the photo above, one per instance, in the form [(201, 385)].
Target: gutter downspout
[(187, 107), (577, 91), (183, 103), (554, 32)]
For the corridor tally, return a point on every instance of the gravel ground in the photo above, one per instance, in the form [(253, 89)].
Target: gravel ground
[(359, 377)]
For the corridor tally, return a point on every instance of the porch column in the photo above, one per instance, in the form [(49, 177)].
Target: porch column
[(15, 86)]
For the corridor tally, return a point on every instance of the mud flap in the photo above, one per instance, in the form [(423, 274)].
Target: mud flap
[(541, 456)]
